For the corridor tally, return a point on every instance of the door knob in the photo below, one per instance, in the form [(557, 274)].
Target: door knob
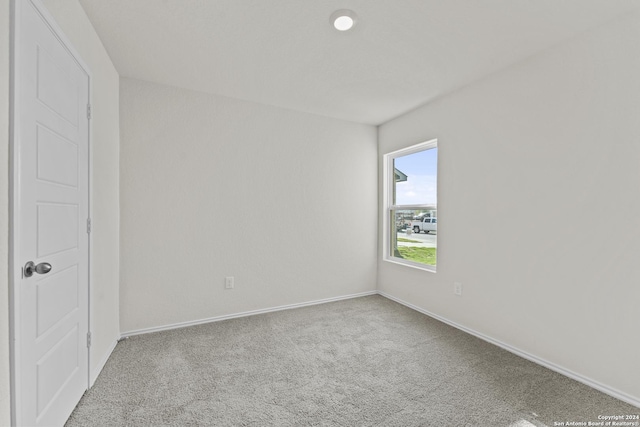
[(30, 268)]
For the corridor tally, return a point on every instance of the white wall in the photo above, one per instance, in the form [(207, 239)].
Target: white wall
[(539, 213), (213, 187), (5, 404), (104, 177)]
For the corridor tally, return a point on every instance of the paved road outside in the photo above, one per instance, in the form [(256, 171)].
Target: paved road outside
[(426, 240)]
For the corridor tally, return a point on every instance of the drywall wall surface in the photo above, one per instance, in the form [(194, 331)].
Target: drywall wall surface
[(5, 403), (539, 214), (105, 136), (283, 201)]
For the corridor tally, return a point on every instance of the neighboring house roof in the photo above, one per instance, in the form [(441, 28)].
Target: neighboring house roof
[(400, 176)]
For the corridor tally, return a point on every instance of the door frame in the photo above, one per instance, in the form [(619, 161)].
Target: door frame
[(15, 266)]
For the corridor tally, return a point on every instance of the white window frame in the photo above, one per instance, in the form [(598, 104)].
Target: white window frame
[(387, 207)]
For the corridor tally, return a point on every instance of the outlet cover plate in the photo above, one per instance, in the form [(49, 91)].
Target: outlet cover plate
[(457, 288)]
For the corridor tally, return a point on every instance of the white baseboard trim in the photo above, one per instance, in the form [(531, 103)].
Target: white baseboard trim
[(96, 371), (559, 369), (243, 314)]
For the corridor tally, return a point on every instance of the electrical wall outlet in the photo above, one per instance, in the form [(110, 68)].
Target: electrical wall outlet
[(229, 282), (457, 288)]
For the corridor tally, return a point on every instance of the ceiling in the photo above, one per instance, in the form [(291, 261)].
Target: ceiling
[(401, 54)]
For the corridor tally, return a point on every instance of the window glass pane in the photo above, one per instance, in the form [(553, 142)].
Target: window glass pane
[(414, 235), (415, 178)]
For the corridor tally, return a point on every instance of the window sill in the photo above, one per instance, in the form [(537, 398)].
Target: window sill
[(416, 265)]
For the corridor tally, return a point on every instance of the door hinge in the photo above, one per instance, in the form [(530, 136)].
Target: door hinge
[(88, 225), (89, 111), (88, 339)]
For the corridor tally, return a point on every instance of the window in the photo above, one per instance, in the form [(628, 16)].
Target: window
[(411, 206)]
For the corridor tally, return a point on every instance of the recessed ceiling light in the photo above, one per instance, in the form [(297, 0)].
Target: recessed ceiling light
[(343, 19)]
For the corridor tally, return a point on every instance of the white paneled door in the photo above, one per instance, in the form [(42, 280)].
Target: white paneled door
[(50, 223)]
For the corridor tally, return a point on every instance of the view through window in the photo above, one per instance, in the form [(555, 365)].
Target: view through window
[(412, 177)]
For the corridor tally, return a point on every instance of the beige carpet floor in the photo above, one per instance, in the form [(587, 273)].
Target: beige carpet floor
[(361, 362)]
